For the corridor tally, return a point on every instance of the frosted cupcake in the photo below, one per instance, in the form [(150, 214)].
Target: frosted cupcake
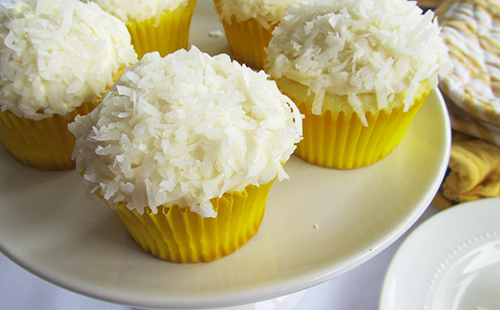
[(185, 148), (248, 25), (57, 59), (358, 71), (155, 25)]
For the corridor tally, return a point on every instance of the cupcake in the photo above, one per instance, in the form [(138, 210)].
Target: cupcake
[(155, 25), (57, 59), (249, 25), (185, 148), (358, 71)]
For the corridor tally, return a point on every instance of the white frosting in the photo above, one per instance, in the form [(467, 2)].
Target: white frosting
[(185, 129), (266, 12), (347, 47), (57, 54), (139, 10)]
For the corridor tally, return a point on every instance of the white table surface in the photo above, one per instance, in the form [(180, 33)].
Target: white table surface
[(357, 289)]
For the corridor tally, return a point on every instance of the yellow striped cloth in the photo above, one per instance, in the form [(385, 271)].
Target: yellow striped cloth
[(471, 29)]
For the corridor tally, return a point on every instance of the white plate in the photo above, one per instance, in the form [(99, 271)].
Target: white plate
[(451, 261), (318, 225)]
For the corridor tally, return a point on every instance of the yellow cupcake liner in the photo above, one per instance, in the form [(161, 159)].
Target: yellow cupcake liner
[(247, 41), (165, 34), (339, 140), (178, 235), (44, 144)]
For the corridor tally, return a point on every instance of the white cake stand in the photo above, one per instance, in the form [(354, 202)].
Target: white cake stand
[(318, 224)]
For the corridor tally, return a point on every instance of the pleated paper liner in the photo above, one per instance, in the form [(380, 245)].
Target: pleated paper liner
[(44, 144), (178, 235), (247, 41), (165, 34), (339, 140)]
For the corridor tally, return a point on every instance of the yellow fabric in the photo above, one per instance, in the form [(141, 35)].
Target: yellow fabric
[(474, 172)]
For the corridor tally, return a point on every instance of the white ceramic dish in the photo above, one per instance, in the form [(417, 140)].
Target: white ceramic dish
[(451, 261), (318, 225)]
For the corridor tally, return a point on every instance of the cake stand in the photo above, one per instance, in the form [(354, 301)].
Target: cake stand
[(318, 224)]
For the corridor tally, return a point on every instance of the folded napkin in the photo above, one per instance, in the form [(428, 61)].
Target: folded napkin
[(473, 172), (471, 30)]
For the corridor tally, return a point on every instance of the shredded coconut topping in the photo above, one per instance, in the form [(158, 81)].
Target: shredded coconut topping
[(347, 47), (127, 10), (185, 129), (266, 12), (57, 54)]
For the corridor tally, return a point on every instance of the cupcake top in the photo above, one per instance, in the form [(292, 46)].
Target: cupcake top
[(266, 12), (57, 54), (138, 10), (346, 47), (185, 129)]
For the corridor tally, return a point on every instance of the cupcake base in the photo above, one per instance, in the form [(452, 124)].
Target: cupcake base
[(338, 139), (178, 235), (166, 34), (44, 144)]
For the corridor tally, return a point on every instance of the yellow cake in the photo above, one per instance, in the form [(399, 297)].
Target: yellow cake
[(248, 25), (185, 148), (155, 25), (58, 59), (358, 71)]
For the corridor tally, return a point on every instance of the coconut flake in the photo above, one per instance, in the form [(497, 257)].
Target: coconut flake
[(266, 12), (132, 10), (215, 33), (357, 105)]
